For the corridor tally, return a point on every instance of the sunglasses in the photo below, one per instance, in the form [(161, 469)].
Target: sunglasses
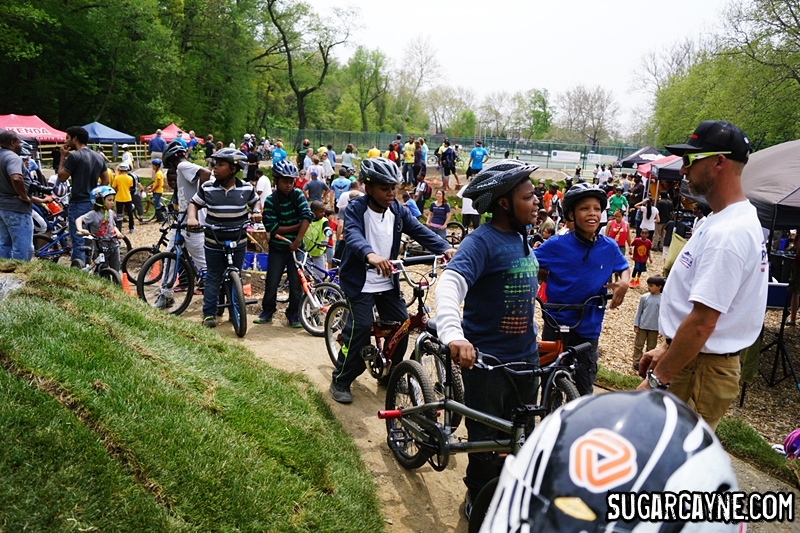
[(688, 159)]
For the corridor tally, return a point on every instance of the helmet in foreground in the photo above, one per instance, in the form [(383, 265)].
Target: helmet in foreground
[(641, 442), (98, 195), (285, 168), (496, 181), (580, 191), (232, 156), (378, 170)]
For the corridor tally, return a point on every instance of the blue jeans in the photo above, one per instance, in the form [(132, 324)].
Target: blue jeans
[(77, 210), (216, 264), (408, 173), (16, 235)]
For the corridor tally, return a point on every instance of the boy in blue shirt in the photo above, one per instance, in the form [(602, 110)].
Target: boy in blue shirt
[(577, 266), (494, 274), (477, 157), (411, 205)]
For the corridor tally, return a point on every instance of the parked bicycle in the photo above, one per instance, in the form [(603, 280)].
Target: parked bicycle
[(317, 296), (159, 214), (54, 247), (417, 434), (133, 261)]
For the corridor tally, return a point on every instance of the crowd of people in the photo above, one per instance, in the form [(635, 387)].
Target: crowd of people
[(484, 299)]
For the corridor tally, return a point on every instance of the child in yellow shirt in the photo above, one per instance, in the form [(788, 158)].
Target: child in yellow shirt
[(123, 183), (157, 188)]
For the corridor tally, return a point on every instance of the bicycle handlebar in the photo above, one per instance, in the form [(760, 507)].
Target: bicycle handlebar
[(553, 323), (399, 267), (486, 361)]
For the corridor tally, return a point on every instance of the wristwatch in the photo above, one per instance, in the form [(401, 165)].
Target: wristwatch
[(654, 383)]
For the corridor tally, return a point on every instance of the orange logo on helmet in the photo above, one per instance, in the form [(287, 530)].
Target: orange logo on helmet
[(601, 460)]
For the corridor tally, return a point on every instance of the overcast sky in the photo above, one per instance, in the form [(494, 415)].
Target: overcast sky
[(495, 45)]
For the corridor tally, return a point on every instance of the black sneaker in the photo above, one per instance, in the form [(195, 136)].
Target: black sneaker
[(467, 506), (294, 322), (210, 321), (263, 319), (340, 394)]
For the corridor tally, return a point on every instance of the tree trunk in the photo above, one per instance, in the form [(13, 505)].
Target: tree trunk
[(364, 125), (302, 119)]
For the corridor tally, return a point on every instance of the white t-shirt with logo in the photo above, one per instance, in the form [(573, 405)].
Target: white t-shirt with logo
[(725, 267), (379, 229), (466, 203)]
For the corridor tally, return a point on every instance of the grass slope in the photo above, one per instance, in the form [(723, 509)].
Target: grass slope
[(116, 417)]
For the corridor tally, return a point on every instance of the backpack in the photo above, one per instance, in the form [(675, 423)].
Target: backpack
[(428, 191)]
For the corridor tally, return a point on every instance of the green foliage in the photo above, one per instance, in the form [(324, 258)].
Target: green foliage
[(124, 419), (465, 124)]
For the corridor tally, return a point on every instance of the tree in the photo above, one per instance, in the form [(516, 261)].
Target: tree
[(496, 112), (532, 113), (369, 74), (306, 43), (589, 112), (421, 69), (444, 104)]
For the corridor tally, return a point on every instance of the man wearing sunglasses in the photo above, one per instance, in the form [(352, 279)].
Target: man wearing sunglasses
[(712, 302)]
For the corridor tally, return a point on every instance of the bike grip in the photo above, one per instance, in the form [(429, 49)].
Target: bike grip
[(581, 348), (390, 414)]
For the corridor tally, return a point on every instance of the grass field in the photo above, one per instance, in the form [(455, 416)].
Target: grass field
[(114, 417)]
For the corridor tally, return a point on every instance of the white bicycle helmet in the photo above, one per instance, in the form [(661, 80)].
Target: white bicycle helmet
[(620, 442)]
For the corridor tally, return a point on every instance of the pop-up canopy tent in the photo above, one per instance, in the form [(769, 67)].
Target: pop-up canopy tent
[(169, 133), (670, 171), (645, 169), (641, 156), (25, 138), (32, 126), (100, 133), (771, 181)]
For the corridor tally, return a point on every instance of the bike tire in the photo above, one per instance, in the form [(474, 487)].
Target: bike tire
[(313, 320), (111, 275), (238, 305), (455, 233), (408, 386), (433, 364), (481, 506), (283, 289), (184, 274), (133, 261), (562, 391), (335, 319), (40, 240), (128, 245)]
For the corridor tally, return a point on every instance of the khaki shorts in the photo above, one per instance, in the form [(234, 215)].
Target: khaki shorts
[(708, 384)]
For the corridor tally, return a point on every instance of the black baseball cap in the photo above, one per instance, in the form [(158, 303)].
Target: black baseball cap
[(716, 136)]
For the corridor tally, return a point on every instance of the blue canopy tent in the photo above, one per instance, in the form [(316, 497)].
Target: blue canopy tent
[(99, 133)]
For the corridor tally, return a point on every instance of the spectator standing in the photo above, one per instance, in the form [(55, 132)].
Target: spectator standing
[(263, 185), (373, 152), (210, 148), (547, 198), (347, 158), (179, 138), (127, 156), (339, 186), (424, 147), (645, 321), (408, 161), (85, 167), (316, 189), (449, 165), (640, 250), (617, 202), (16, 222), (707, 319), (418, 159), (648, 215), (278, 153), (391, 153), (156, 146), (665, 208), (157, 188), (617, 230), (477, 157), (302, 153), (190, 144), (308, 160), (469, 215), (123, 187), (331, 156)]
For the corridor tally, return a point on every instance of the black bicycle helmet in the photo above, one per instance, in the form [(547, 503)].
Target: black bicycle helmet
[(286, 169), (175, 149), (643, 442), (231, 155), (379, 170), (580, 191), (496, 181)]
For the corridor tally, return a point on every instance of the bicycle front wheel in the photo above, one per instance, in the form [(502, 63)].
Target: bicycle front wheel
[(562, 391), (433, 365), (313, 319), (134, 260), (408, 387), (455, 233), (238, 305), (128, 245), (335, 320), (41, 240), (111, 275), (171, 275)]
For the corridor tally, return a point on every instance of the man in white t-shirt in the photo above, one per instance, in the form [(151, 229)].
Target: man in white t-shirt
[(604, 175), (263, 185), (469, 215), (712, 302)]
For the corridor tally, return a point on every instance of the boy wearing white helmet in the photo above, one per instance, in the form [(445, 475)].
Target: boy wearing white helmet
[(101, 222)]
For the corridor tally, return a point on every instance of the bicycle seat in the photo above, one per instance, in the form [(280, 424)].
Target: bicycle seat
[(430, 326)]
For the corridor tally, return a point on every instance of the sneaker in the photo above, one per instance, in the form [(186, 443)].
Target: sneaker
[(162, 302), (294, 322), (467, 505), (341, 395), (263, 319), (210, 321), (131, 230)]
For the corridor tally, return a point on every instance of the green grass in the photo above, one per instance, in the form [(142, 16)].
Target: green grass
[(736, 435), (116, 417)]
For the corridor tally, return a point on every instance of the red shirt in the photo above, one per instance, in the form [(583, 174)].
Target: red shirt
[(641, 248), (300, 181), (618, 232)]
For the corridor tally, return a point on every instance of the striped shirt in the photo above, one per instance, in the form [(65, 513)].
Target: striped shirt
[(226, 208), (280, 210)]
